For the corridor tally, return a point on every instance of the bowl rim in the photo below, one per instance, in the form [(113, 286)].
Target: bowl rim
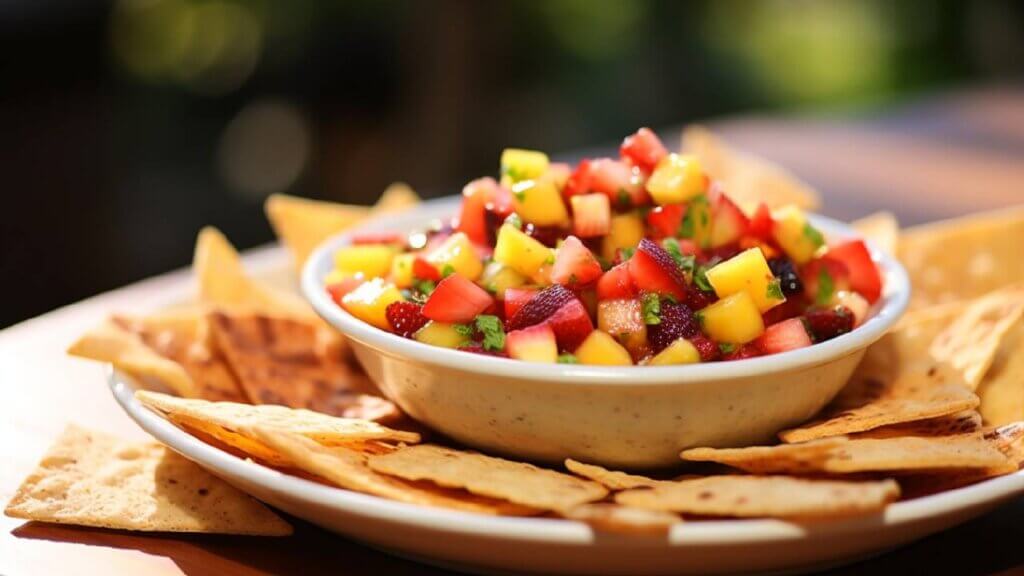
[(886, 312)]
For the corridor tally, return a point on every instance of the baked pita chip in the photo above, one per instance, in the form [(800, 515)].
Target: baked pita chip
[(881, 228), (610, 479), (758, 496), (91, 479), (749, 180), (960, 423), (1008, 439), (489, 476), (1002, 389), (397, 197), (611, 517)]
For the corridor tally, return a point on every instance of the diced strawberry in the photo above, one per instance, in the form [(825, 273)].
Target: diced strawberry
[(665, 220), (580, 179), (791, 308), (643, 149), (571, 324), (337, 290), (546, 235), (761, 223), (534, 343), (827, 322), (425, 270), (559, 173), (676, 321), (622, 183), (541, 307), (706, 347), (824, 267), (515, 298), (864, 276), (575, 265), (473, 215), (748, 350), (616, 284), (786, 335), (499, 201), (456, 299), (591, 215), (728, 222), (478, 348), (379, 238), (405, 318), (653, 269)]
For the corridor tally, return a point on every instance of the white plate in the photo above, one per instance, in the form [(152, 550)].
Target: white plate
[(486, 544)]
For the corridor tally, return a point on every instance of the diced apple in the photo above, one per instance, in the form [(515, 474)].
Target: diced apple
[(623, 319), (534, 344), (734, 319), (591, 215), (601, 349), (498, 278), (540, 203), (458, 255), (681, 351), (441, 334), (784, 336), (515, 249), (575, 266), (676, 179), (625, 232), (747, 272), (795, 235), (518, 164), (456, 299), (369, 302), (370, 260), (402, 269)]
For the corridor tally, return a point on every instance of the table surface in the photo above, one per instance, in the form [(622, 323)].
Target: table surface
[(935, 158)]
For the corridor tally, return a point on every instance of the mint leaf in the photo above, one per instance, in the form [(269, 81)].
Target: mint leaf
[(625, 201), (727, 348), (688, 225), (700, 278), (464, 330), (568, 359), (685, 262), (826, 287), (424, 287), (650, 307), (626, 253), (812, 234), (447, 270), (774, 291), (493, 331)]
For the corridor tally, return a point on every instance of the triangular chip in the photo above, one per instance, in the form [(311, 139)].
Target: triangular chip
[(755, 496), (610, 479), (803, 458), (224, 420), (397, 197), (959, 423), (748, 179), (347, 469), (1008, 439), (489, 476), (91, 479), (881, 228), (303, 224), (612, 517), (1002, 389)]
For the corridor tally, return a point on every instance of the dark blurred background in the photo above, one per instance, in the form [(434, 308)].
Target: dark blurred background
[(126, 126)]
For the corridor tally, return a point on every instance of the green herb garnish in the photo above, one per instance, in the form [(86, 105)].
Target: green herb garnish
[(774, 291), (493, 331), (700, 278), (727, 348), (826, 287), (650, 307), (424, 287), (447, 270), (514, 221), (625, 201), (568, 359), (627, 253), (812, 234), (464, 330), (685, 262)]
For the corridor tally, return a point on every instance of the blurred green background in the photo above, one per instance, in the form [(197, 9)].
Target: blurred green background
[(127, 126)]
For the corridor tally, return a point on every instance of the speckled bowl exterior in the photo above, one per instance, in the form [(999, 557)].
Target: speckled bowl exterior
[(624, 417)]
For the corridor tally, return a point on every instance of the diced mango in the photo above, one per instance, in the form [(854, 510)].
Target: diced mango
[(370, 260), (623, 319), (534, 344), (747, 272), (696, 224), (625, 231), (497, 278), (679, 352), (336, 276), (518, 164), (797, 237), (734, 319), (458, 253), (369, 301), (515, 249), (676, 179), (539, 202), (401, 270), (599, 348), (441, 334)]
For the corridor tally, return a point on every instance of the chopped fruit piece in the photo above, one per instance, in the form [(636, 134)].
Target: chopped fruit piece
[(520, 252), (643, 149), (747, 272), (456, 299), (734, 319), (498, 206), (864, 276), (675, 321), (791, 308), (533, 344), (600, 349), (625, 232), (369, 301), (698, 299), (855, 303), (443, 335), (696, 224), (665, 220), (579, 180), (797, 237), (539, 202), (761, 223), (827, 322), (497, 278), (541, 307), (405, 318), (676, 179), (789, 280), (680, 351), (575, 265), (786, 335), (473, 215), (653, 269), (558, 174), (616, 284), (478, 348), (624, 320), (620, 182), (591, 215), (338, 288), (742, 352), (518, 164), (515, 298), (457, 254), (425, 270), (708, 350), (571, 324), (392, 238), (728, 222), (401, 270), (823, 277), (370, 260)]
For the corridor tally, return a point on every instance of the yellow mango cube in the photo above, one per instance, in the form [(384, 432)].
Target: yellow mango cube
[(696, 224), (369, 301), (497, 278), (518, 164), (440, 334), (539, 202), (625, 231), (747, 272), (517, 250), (458, 253), (401, 270), (679, 352), (370, 260), (676, 179), (797, 237), (600, 349), (734, 319)]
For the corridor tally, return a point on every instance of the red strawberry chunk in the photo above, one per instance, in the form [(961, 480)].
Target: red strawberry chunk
[(643, 149), (749, 350), (425, 270), (761, 223), (676, 321), (571, 325), (653, 270), (456, 299), (379, 238), (616, 284), (728, 222), (473, 215), (580, 179), (541, 307), (478, 348), (405, 318), (828, 322), (824, 267), (622, 183), (786, 335), (665, 220), (338, 290), (575, 266), (708, 350), (864, 276), (515, 298)]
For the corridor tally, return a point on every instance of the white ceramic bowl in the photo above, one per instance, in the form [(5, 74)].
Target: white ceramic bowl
[(629, 417)]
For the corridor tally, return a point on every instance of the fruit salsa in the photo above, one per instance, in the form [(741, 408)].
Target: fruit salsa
[(641, 259)]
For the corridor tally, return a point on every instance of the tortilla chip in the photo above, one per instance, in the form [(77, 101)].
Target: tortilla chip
[(276, 362), (880, 228), (225, 420), (803, 458), (1002, 389), (971, 341), (302, 224), (397, 197), (611, 517), (610, 479), (964, 258), (959, 423), (347, 469), (91, 479), (488, 476), (748, 180), (755, 496), (1008, 439)]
